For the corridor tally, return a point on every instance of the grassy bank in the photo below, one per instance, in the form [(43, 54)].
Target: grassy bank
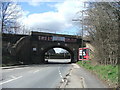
[(8, 60), (107, 73)]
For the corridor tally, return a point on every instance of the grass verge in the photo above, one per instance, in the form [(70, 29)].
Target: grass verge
[(108, 73)]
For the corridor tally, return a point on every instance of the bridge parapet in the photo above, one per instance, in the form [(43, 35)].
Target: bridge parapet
[(56, 37)]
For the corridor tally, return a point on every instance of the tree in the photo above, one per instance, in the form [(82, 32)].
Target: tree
[(10, 13), (102, 24)]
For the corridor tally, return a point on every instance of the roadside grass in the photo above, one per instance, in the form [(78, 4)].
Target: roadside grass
[(5, 65), (8, 61), (107, 73)]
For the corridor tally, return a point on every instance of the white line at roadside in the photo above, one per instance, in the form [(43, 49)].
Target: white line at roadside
[(11, 80)]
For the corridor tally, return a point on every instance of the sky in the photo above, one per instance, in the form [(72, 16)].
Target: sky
[(52, 17), (55, 17)]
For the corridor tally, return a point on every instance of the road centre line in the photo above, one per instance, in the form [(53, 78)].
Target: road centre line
[(60, 74), (11, 80)]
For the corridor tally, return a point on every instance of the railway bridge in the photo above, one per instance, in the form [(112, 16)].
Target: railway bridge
[(32, 48)]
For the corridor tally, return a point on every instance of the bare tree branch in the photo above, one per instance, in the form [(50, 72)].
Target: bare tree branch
[(10, 14)]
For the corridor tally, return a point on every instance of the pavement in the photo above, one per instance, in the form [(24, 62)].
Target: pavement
[(75, 81), (78, 77)]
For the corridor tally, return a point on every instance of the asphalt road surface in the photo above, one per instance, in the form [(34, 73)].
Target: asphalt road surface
[(34, 76), (40, 76)]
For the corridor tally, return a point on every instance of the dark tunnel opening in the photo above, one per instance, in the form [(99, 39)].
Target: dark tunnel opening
[(54, 55)]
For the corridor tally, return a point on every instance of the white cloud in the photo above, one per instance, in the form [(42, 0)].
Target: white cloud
[(58, 20), (34, 2), (48, 20)]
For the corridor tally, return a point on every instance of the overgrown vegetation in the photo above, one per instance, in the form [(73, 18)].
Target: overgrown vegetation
[(101, 21), (107, 73), (8, 60)]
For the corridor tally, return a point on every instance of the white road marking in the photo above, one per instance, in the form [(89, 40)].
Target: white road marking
[(36, 71), (11, 80), (60, 74)]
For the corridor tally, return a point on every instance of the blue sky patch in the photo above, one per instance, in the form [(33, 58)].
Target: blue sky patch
[(40, 8)]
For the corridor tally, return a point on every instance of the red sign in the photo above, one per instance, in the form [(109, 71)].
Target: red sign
[(83, 54)]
